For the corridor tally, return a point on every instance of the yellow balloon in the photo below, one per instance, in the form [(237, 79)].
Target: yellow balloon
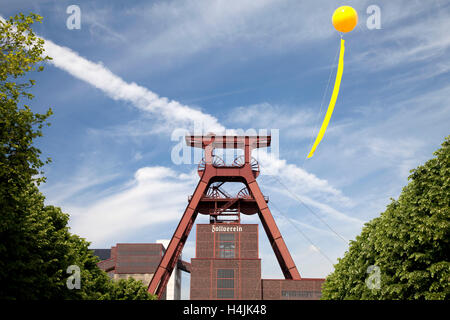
[(345, 19)]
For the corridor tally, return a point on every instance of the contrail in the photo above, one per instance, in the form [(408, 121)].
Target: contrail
[(116, 88)]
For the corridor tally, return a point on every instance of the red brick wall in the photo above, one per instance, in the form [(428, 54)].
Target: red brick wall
[(209, 259), (246, 240), (107, 265), (280, 289), (137, 257), (247, 278)]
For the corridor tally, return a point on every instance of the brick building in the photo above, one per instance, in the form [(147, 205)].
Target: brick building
[(139, 261), (227, 266)]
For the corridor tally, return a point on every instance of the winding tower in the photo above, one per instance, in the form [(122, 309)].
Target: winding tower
[(210, 199)]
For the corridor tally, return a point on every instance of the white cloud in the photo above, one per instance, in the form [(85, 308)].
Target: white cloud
[(183, 28), (100, 23), (295, 122), (82, 180), (411, 34), (298, 177), (138, 156), (393, 139), (156, 195)]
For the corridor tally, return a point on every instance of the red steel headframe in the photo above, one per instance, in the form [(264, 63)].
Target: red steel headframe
[(212, 173)]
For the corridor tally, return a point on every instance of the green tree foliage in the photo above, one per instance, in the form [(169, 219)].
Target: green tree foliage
[(129, 289), (409, 242), (36, 247)]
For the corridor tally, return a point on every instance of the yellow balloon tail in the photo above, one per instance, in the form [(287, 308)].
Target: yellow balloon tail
[(333, 99)]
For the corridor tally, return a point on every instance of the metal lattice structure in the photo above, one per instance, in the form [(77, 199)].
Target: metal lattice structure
[(210, 199)]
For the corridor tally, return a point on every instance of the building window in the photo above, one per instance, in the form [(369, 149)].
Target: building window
[(225, 283), (226, 245)]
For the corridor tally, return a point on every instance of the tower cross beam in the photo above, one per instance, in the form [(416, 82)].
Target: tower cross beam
[(227, 142)]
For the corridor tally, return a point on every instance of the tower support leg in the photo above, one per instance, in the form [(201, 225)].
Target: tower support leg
[(279, 247), (172, 254)]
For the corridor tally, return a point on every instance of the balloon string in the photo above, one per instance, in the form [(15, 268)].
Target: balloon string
[(316, 120), (333, 99)]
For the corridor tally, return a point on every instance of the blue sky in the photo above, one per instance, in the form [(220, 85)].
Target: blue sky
[(138, 70)]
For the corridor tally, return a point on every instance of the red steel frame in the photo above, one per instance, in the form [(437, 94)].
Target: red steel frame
[(211, 174)]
